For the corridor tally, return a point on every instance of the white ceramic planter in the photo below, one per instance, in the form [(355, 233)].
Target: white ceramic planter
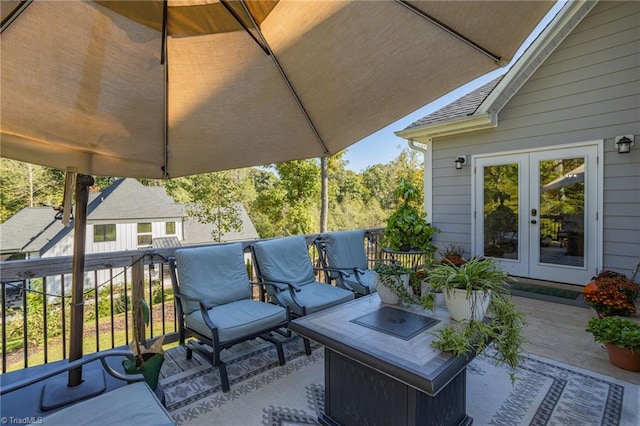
[(387, 295), (462, 307)]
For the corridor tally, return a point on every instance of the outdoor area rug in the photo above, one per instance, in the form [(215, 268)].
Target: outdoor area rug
[(263, 393)]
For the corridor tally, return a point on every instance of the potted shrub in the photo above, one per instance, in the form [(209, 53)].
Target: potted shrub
[(621, 337), (407, 229), (395, 284), (452, 255), (392, 282), (468, 287), (611, 293), (145, 361), (479, 282)]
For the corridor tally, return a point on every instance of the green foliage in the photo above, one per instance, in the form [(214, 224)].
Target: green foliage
[(390, 273), (35, 321), (407, 228), (505, 329), (615, 330), (477, 274)]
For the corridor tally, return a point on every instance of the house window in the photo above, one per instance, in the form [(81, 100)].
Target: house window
[(170, 228), (144, 235), (104, 233)]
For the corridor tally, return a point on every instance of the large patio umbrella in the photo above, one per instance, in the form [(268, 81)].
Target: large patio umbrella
[(159, 89)]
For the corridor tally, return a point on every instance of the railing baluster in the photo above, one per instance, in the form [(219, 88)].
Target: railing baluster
[(63, 308), (46, 322), (25, 341), (4, 328), (96, 309), (113, 337)]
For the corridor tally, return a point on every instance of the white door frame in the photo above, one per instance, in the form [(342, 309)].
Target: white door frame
[(528, 262)]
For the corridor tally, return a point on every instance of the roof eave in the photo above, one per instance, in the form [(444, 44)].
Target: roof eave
[(558, 29), (462, 125)]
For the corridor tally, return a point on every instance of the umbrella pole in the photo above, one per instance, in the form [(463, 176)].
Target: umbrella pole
[(83, 182), (59, 392)]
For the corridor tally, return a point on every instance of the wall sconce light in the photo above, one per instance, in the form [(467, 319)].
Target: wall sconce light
[(624, 144), (460, 161)]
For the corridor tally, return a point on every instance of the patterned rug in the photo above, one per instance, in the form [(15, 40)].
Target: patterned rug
[(263, 393)]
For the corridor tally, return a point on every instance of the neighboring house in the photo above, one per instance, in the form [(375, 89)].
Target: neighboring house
[(125, 216), (543, 188)]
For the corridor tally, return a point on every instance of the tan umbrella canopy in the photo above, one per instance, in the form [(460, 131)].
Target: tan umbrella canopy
[(98, 87), (157, 89)]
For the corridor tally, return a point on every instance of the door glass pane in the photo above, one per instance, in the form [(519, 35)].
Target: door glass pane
[(501, 206), (562, 204)]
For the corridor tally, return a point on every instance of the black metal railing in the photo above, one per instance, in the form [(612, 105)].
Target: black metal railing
[(35, 296)]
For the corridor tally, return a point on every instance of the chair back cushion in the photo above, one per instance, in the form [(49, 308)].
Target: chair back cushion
[(216, 274), (284, 259), (345, 249)]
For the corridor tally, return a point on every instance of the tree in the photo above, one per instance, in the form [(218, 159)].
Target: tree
[(216, 202), (25, 185)]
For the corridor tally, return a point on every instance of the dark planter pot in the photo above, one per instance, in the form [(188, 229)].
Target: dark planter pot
[(150, 368), (623, 357)]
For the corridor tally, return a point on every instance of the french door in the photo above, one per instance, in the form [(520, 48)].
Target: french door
[(536, 213)]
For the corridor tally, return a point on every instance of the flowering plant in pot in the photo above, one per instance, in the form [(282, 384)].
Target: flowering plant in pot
[(611, 293), (621, 337)]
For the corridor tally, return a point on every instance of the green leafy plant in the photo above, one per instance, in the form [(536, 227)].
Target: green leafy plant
[(476, 274), (145, 361), (407, 228), (390, 273), (505, 325), (617, 331)]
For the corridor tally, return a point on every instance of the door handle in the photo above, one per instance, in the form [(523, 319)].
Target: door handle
[(533, 222)]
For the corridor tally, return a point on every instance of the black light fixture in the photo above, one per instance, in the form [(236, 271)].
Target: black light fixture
[(624, 144), (460, 161)]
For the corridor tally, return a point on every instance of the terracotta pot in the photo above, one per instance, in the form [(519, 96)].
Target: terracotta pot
[(623, 357)]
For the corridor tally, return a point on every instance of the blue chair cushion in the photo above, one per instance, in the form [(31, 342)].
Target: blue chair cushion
[(238, 319), (134, 404), (316, 297), (285, 259), (345, 249), (215, 274)]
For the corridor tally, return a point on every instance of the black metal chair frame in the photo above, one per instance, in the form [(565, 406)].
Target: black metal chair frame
[(332, 274), (213, 340)]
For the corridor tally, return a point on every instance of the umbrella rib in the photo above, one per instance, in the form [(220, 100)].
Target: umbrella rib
[(242, 24), (450, 30), (286, 79), (11, 17)]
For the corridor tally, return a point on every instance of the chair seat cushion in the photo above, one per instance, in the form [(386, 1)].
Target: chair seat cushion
[(316, 297), (134, 404), (238, 319)]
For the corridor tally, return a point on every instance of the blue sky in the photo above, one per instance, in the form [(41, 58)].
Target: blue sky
[(383, 146)]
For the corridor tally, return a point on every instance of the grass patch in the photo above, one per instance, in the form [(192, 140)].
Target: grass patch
[(549, 291)]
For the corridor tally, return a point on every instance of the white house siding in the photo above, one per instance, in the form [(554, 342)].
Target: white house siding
[(126, 239), (588, 89)]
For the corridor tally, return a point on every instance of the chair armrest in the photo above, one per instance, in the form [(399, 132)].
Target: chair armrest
[(72, 366), (281, 285), (278, 285), (193, 299)]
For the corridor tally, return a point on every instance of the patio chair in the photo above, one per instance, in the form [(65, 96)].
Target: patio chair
[(284, 263), (214, 303), (343, 256)]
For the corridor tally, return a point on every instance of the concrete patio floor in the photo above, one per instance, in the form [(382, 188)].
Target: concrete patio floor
[(557, 331)]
